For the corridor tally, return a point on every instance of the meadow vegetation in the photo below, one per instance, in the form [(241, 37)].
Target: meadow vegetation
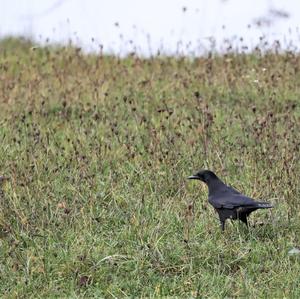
[(98, 149)]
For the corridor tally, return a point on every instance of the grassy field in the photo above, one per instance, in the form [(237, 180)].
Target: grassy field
[(98, 150)]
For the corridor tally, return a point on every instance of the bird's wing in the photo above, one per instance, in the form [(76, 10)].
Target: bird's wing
[(225, 189), (231, 200), (232, 190)]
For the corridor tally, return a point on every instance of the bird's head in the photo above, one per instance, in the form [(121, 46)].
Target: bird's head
[(203, 175)]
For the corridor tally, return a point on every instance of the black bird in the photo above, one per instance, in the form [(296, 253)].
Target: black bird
[(228, 202)]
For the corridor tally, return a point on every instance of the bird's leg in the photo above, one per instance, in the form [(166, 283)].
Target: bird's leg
[(222, 225), (244, 219), (242, 216)]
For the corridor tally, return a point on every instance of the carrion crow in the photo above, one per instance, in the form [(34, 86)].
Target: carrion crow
[(228, 202)]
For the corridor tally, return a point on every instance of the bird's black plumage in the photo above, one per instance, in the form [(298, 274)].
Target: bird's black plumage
[(228, 202)]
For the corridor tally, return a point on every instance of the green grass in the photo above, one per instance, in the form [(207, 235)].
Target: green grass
[(98, 150)]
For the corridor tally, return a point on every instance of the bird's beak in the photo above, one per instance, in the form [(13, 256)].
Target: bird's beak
[(193, 177)]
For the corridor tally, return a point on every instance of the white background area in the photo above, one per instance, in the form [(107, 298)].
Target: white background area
[(170, 26)]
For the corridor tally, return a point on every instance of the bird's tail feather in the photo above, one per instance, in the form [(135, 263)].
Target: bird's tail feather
[(265, 205)]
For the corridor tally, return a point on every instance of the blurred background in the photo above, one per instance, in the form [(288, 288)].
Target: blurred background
[(172, 27)]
